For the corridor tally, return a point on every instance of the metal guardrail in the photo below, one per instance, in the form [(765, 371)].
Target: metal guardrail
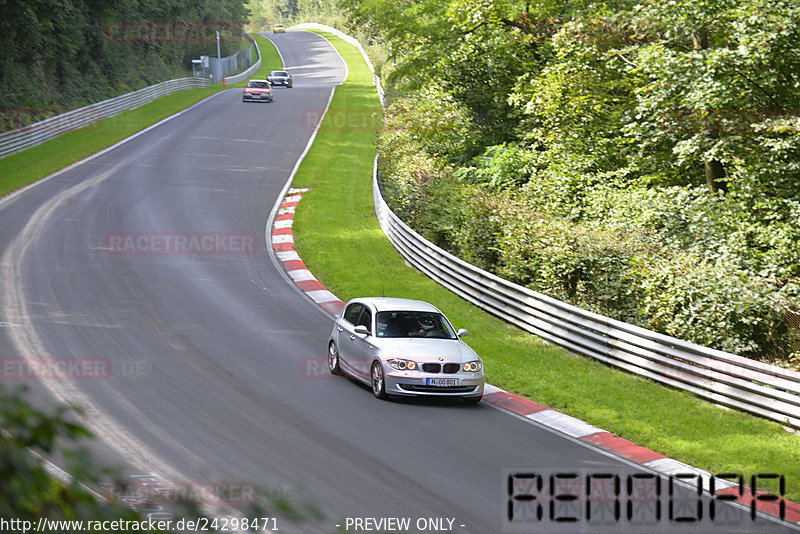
[(242, 76), (38, 133), (720, 377)]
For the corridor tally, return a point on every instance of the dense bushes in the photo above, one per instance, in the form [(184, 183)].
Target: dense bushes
[(638, 160), (719, 269)]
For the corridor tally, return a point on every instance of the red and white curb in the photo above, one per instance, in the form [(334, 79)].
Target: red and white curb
[(592, 436), (283, 245)]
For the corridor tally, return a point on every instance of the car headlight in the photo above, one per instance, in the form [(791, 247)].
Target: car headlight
[(473, 367), (402, 365)]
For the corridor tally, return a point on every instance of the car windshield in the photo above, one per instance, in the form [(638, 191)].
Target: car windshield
[(413, 324), (279, 73), (258, 85)]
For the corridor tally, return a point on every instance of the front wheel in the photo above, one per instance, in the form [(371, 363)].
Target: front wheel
[(472, 400), (378, 381), (333, 359)]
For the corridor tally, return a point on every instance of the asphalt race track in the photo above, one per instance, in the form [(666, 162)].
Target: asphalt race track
[(211, 366)]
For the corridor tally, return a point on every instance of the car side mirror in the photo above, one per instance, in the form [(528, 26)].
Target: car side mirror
[(462, 332), (361, 329)]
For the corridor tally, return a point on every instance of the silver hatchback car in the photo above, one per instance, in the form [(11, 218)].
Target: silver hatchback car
[(404, 347)]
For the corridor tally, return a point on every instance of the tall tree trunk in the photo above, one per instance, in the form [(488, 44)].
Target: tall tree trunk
[(715, 171)]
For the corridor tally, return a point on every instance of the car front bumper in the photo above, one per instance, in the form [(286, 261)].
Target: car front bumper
[(416, 383), (260, 97)]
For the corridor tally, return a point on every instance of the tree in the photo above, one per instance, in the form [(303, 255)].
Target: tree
[(51, 48), (720, 80), (27, 490), (666, 132)]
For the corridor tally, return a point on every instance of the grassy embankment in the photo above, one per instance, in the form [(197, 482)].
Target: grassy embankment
[(339, 238), (22, 168)]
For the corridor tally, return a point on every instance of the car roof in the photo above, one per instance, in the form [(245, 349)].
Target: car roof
[(262, 81), (396, 304)]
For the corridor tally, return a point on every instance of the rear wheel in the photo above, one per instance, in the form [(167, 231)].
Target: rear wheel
[(378, 381), (333, 359)]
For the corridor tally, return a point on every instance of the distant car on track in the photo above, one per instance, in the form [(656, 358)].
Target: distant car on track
[(404, 347), (280, 77), (278, 28), (257, 91)]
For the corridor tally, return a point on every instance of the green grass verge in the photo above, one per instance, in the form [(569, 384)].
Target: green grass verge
[(22, 168), (338, 237)]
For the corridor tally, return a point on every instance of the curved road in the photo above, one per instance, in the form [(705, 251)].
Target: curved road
[(217, 364)]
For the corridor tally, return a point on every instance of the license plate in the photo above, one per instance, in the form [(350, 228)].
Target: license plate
[(441, 382)]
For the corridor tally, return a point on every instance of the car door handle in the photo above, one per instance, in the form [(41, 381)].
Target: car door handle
[(340, 329), (352, 338)]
